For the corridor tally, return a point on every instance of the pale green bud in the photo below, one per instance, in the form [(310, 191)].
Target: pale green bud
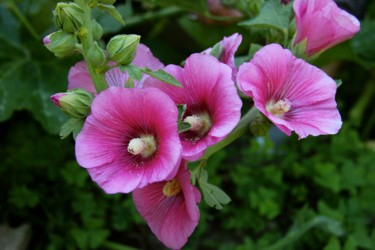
[(96, 55), (260, 125), (75, 103), (61, 43), (97, 30), (122, 48), (68, 16)]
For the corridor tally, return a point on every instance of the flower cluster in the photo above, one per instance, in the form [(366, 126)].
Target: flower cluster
[(139, 140)]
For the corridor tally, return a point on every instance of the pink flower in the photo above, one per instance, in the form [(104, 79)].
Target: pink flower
[(213, 105), (130, 139), (217, 8), (79, 76), (293, 94), (322, 24), (230, 46), (170, 208)]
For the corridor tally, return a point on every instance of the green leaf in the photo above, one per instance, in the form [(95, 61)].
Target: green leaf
[(27, 84), (363, 43), (134, 71), (213, 195), (272, 15), (254, 48), (111, 10), (71, 126), (183, 126), (23, 197), (192, 5), (333, 244), (162, 76), (181, 111)]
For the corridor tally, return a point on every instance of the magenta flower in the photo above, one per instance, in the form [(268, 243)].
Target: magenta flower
[(230, 46), (170, 208), (130, 139), (79, 76), (213, 105), (322, 24), (293, 94)]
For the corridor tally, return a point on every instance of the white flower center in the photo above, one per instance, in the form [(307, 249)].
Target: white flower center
[(144, 146), (279, 108), (200, 123)]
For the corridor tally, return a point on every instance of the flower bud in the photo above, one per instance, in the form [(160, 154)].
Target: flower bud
[(96, 55), (60, 43), (68, 16), (122, 48), (75, 103), (97, 30)]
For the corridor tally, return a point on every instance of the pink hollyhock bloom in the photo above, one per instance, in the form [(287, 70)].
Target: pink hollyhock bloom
[(130, 139), (322, 24), (230, 46), (293, 94), (79, 76), (170, 208), (213, 105)]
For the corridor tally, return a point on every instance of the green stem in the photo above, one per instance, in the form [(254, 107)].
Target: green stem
[(165, 12), (357, 112), (116, 246), (87, 40), (13, 7), (239, 130)]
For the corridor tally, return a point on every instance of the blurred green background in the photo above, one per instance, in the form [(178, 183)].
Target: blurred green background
[(317, 193)]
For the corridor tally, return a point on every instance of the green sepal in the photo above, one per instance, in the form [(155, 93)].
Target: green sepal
[(338, 82), (217, 51), (71, 126)]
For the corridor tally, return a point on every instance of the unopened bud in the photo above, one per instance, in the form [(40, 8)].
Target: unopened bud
[(97, 30), (96, 55), (75, 103), (122, 48), (68, 16), (60, 43)]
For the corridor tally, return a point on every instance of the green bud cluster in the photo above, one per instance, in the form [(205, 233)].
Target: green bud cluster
[(68, 17)]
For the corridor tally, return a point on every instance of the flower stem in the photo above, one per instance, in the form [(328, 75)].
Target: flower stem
[(87, 40), (239, 130), (13, 7)]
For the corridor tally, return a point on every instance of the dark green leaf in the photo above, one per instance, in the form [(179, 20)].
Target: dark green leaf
[(272, 15), (363, 43), (162, 76), (26, 84), (254, 48), (183, 126), (338, 82)]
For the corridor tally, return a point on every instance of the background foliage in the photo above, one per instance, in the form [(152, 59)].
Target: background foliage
[(317, 193)]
